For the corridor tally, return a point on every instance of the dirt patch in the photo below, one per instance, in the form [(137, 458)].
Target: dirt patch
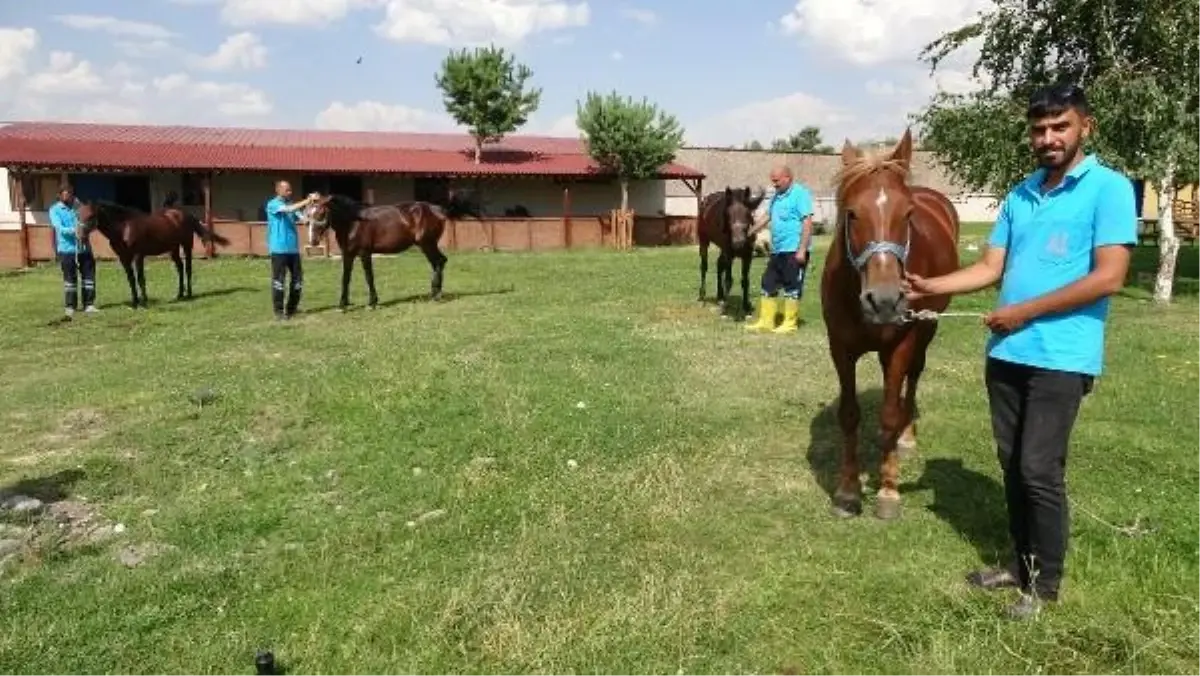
[(75, 429)]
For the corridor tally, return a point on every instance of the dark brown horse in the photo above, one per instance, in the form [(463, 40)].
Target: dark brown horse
[(726, 220), (387, 229), (884, 227), (134, 234)]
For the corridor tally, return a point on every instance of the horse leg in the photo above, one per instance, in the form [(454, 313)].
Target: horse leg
[(746, 307), (368, 267), (347, 269), (847, 499), (908, 437), (437, 260), (893, 420), (187, 266), (178, 272), (703, 270), (127, 264), (140, 262), (723, 264)]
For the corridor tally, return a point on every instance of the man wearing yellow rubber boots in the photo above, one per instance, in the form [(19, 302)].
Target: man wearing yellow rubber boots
[(791, 243)]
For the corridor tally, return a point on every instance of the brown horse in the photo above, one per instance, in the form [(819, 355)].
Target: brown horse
[(726, 220), (884, 228), (392, 228), (134, 234)]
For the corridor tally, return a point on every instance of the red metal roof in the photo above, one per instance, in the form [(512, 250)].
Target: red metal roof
[(105, 146)]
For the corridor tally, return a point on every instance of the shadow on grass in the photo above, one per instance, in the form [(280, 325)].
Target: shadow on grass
[(825, 441), (447, 297), (53, 488), (970, 502), (1143, 268)]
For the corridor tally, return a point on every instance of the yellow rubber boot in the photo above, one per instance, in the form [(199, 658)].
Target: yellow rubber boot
[(767, 307), (791, 315)]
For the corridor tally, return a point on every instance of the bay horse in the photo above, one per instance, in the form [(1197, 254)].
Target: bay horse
[(362, 231), (726, 219), (884, 228), (133, 235)]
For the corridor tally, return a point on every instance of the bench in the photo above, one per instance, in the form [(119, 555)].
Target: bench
[(1187, 225)]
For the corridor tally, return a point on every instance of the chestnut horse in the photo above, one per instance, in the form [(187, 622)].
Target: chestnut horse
[(884, 228), (134, 234), (726, 220), (391, 228)]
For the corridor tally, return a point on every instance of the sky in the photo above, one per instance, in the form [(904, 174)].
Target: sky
[(730, 71)]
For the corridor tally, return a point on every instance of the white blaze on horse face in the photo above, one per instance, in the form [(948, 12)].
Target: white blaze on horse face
[(881, 202)]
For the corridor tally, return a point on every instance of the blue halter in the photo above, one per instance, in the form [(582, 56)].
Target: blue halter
[(874, 247)]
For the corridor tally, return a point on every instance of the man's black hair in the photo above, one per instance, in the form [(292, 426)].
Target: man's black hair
[(1055, 99)]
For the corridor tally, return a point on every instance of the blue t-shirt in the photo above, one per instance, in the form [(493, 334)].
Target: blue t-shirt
[(281, 228), (64, 220), (1049, 239), (788, 211)]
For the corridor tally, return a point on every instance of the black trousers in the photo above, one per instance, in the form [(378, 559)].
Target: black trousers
[(282, 266), (784, 272), (1033, 412), (78, 270)]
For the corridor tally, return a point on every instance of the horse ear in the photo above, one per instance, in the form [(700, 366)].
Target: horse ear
[(728, 193), (904, 149), (850, 152)]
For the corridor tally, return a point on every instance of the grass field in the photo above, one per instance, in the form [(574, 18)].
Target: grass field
[(568, 466)]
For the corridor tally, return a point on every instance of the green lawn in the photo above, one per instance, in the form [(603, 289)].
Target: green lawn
[(569, 466)]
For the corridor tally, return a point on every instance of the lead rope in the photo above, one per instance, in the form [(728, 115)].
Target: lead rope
[(933, 316)]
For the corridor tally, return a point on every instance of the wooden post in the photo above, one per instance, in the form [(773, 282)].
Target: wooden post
[(567, 216), (206, 186), (17, 181), (699, 189), (369, 196)]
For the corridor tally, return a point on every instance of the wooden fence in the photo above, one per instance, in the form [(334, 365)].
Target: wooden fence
[(248, 238)]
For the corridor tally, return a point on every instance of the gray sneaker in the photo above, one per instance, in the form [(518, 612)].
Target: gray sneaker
[(70, 312), (1026, 607), (91, 309)]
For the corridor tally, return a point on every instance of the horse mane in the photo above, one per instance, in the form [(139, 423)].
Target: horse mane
[(114, 209), (864, 166)]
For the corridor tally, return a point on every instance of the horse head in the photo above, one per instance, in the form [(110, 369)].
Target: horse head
[(739, 209), (95, 215), (875, 212), (328, 211)]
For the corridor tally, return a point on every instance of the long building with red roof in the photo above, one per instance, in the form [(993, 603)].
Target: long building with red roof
[(226, 175)]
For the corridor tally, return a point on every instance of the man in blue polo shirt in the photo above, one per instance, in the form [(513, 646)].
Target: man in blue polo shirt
[(283, 246), (791, 211), (1060, 247), (74, 254)]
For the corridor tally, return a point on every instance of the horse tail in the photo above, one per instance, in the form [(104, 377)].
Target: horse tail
[(202, 232)]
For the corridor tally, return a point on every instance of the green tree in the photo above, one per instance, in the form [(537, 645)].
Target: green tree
[(632, 139), (486, 91), (1137, 59), (753, 145), (807, 140)]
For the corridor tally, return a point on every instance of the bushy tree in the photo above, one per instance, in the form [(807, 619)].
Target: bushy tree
[(1136, 58), (486, 91), (807, 140), (632, 139)]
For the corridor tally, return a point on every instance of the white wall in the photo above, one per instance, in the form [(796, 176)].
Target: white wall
[(232, 193)]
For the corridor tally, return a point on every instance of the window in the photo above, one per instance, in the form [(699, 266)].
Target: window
[(39, 190), (191, 193), (432, 189)]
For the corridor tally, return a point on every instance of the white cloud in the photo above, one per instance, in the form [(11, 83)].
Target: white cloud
[(296, 12), (377, 116), (63, 87), (16, 44), (642, 16), (869, 32), (232, 99), (564, 126), (616, 56), (241, 50), (477, 22), (65, 75), (143, 50), (114, 26), (774, 118)]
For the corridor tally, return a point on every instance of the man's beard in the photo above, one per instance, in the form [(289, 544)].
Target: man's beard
[(1055, 161)]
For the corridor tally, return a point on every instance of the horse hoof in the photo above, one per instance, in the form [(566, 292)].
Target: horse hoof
[(887, 509), (846, 507)]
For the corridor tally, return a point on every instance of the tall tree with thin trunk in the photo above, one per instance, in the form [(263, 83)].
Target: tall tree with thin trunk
[(487, 92), (1138, 60), (632, 139)]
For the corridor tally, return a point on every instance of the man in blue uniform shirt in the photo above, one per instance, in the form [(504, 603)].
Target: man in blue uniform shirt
[(74, 254), (1060, 247), (283, 246), (791, 211)]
